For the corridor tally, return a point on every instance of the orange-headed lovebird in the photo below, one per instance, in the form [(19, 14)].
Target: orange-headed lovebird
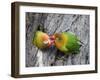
[(67, 42)]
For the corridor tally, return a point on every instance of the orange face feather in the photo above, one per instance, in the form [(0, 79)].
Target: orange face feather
[(46, 39), (60, 40)]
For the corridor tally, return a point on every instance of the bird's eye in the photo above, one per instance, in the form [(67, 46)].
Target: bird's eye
[(58, 38)]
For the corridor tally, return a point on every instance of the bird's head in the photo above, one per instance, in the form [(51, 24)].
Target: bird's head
[(41, 40)]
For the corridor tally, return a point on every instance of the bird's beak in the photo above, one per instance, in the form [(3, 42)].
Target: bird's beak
[(52, 39)]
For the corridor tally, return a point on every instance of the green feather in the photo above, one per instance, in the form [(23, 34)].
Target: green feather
[(73, 42)]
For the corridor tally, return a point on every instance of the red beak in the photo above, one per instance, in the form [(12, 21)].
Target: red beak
[(52, 39)]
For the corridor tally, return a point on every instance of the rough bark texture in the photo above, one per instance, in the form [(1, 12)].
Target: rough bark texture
[(78, 24)]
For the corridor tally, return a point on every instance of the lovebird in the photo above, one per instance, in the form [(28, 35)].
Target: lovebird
[(41, 40), (67, 42)]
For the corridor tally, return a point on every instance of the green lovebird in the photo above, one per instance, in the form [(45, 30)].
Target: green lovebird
[(67, 42), (41, 40)]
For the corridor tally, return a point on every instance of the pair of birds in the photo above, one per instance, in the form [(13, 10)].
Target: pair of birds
[(65, 41)]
